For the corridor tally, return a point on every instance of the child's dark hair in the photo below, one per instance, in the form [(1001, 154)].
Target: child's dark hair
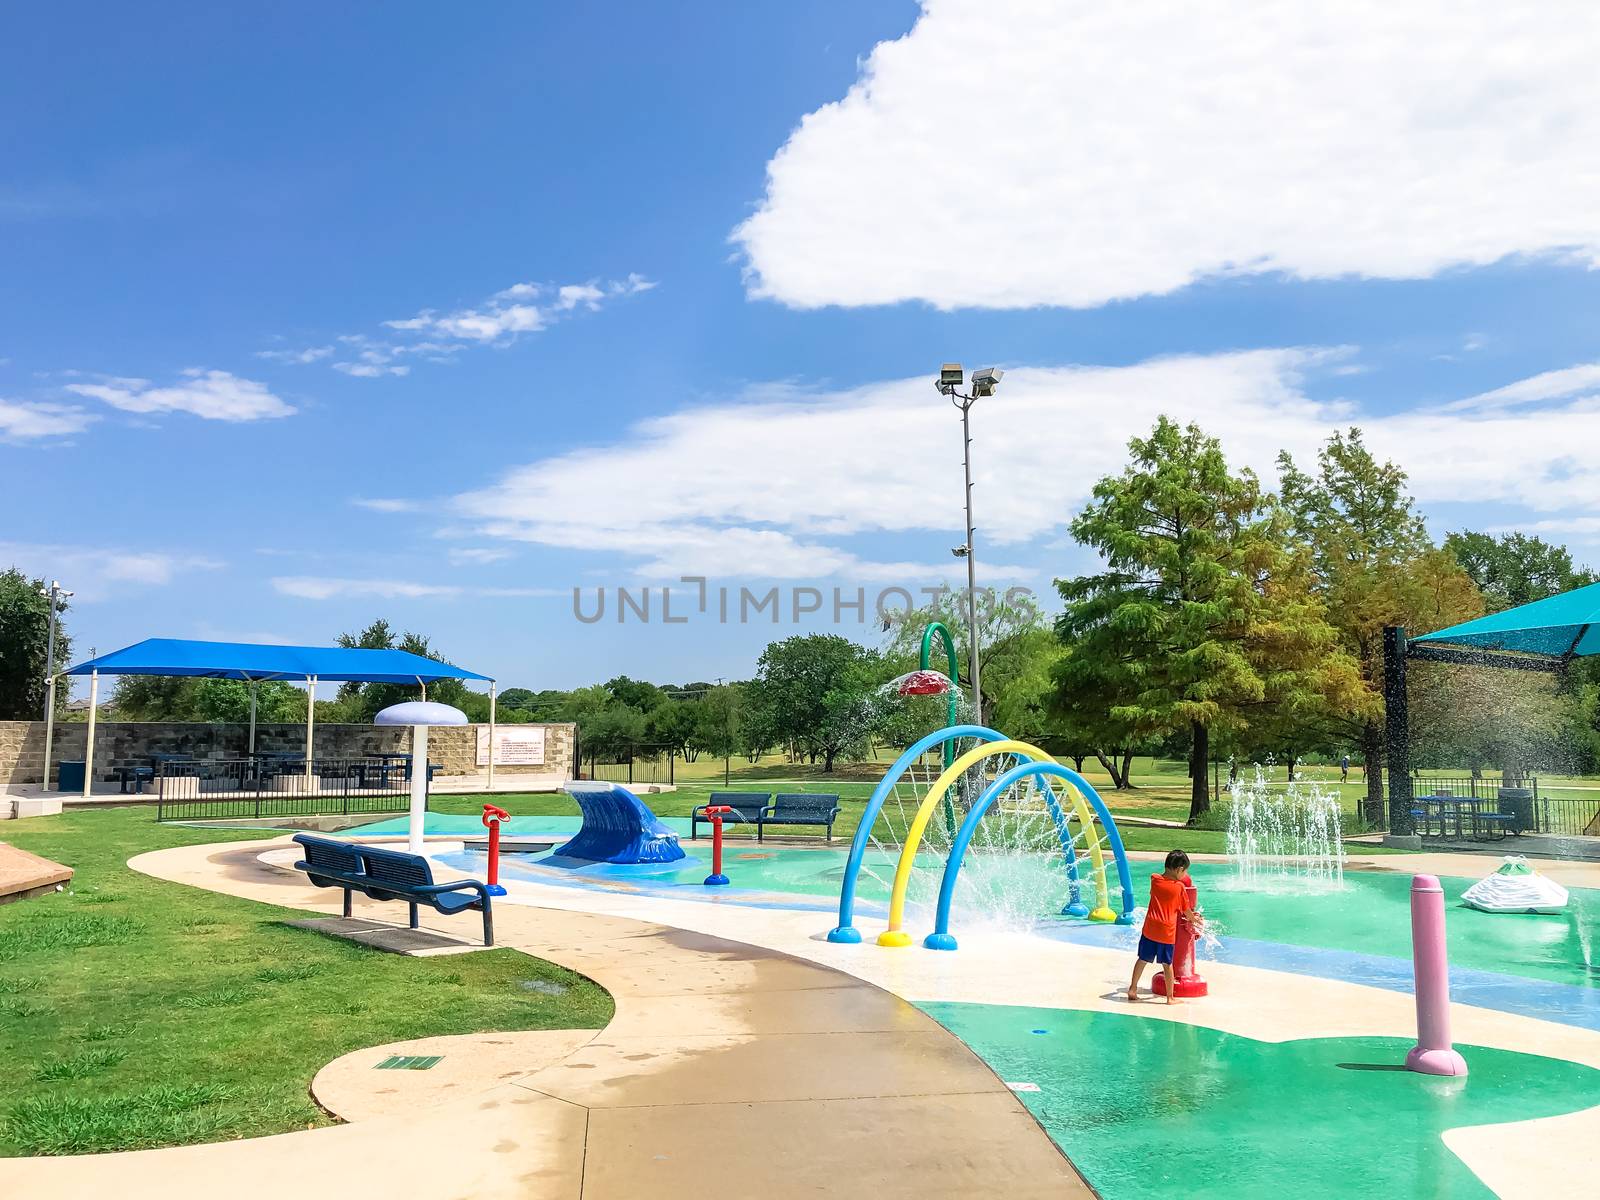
[(1177, 860)]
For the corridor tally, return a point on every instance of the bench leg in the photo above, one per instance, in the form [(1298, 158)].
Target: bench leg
[(761, 831), (488, 924), (413, 914), (347, 902)]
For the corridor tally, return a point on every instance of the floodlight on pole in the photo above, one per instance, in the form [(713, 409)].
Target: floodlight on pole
[(984, 383)]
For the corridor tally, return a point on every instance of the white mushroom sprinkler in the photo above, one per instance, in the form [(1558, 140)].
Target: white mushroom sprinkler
[(419, 714)]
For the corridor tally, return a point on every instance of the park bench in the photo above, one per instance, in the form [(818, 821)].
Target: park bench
[(390, 875), (800, 808), (747, 808)]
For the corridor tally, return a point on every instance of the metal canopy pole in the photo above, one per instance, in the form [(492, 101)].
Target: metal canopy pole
[(1397, 731), (88, 748), (491, 735), (252, 716), (311, 709)]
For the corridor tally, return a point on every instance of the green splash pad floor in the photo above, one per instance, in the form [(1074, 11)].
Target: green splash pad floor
[(1153, 1108)]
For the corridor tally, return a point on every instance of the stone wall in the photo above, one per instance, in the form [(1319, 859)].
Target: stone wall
[(131, 743)]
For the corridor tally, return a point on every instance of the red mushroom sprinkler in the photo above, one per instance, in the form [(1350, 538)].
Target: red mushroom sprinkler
[(492, 817), (1185, 982), (716, 812), (925, 682)]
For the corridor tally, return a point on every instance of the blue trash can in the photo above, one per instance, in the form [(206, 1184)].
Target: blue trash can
[(69, 775)]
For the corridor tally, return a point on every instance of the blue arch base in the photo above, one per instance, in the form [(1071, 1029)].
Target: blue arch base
[(941, 938), (617, 828), (846, 933)]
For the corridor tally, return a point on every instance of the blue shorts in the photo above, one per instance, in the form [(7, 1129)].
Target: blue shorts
[(1155, 952)]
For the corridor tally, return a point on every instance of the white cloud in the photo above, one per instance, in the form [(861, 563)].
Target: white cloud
[(369, 370), (213, 395), (512, 311), (102, 573), (1548, 385), (1011, 153), (297, 357), (318, 587), (797, 472), (385, 504), (481, 555), (23, 421)]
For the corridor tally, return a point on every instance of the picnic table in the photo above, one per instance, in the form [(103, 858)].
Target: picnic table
[(1479, 814)]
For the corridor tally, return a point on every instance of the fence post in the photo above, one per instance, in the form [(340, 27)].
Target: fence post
[(630, 764), (672, 767)]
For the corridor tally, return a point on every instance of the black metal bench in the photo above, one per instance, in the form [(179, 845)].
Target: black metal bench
[(800, 808), (747, 808), (390, 875)]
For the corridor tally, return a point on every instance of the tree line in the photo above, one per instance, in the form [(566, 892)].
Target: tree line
[(1224, 620)]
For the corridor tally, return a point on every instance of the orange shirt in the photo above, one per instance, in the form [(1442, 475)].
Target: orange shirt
[(1166, 902)]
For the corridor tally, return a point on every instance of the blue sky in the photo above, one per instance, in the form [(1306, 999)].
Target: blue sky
[(309, 316)]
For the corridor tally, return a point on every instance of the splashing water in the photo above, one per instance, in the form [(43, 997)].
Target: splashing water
[(1284, 836), (1014, 876)]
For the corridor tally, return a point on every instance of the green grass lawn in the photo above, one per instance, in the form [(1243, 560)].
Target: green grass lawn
[(137, 1013)]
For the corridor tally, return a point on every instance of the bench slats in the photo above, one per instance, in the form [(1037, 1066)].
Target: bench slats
[(390, 875)]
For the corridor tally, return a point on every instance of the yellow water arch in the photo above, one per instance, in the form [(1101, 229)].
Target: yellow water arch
[(895, 935)]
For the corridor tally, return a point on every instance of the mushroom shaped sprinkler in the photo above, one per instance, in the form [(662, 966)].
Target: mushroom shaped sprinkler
[(419, 714), (925, 682)]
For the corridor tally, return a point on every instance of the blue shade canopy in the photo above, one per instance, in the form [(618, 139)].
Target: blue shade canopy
[(1561, 626), (243, 660)]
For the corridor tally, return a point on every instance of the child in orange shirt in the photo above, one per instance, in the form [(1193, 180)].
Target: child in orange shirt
[(1168, 901)]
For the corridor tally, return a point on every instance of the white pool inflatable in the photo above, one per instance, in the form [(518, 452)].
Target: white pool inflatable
[(1516, 888)]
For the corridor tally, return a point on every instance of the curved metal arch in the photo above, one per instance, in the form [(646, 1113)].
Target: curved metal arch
[(846, 931), (940, 938)]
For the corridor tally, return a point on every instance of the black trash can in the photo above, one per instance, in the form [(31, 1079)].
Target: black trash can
[(1518, 802), (69, 775)]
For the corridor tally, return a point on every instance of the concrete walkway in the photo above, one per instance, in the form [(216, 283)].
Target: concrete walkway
[(728, 1071)]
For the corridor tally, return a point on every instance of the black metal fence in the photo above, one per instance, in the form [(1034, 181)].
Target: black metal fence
[(1537, 811), (263, 786), (636, 764)]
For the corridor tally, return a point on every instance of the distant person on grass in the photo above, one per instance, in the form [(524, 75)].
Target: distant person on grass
[(1168, 901), (1344, 769)]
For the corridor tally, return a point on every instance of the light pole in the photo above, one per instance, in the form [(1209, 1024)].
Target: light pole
[(55, 594), (949, 383)]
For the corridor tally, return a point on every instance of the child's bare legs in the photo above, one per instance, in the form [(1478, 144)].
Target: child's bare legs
[(1138, 974), (1172, 994)]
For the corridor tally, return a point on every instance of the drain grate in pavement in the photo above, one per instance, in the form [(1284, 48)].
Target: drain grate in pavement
[(409, 1062)]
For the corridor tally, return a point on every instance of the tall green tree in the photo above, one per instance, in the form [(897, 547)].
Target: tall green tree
[(174, 698), (24, 632), (1374, 566), (1204, 615), (360, 702), (1516, 568), (813, 690)]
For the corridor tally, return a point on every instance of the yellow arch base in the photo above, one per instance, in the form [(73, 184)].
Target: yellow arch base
[(895, 935)]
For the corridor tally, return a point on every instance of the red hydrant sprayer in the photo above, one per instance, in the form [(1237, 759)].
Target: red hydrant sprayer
[(492, 816), (715, 813), (1185, 981)]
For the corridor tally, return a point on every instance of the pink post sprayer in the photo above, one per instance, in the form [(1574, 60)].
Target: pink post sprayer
[(1433, 1053)]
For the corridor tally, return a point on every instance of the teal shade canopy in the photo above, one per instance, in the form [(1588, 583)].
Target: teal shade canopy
[(1564, 626)]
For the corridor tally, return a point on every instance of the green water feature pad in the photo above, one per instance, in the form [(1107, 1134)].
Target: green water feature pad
[(1154, 1108), (1370, 914)]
